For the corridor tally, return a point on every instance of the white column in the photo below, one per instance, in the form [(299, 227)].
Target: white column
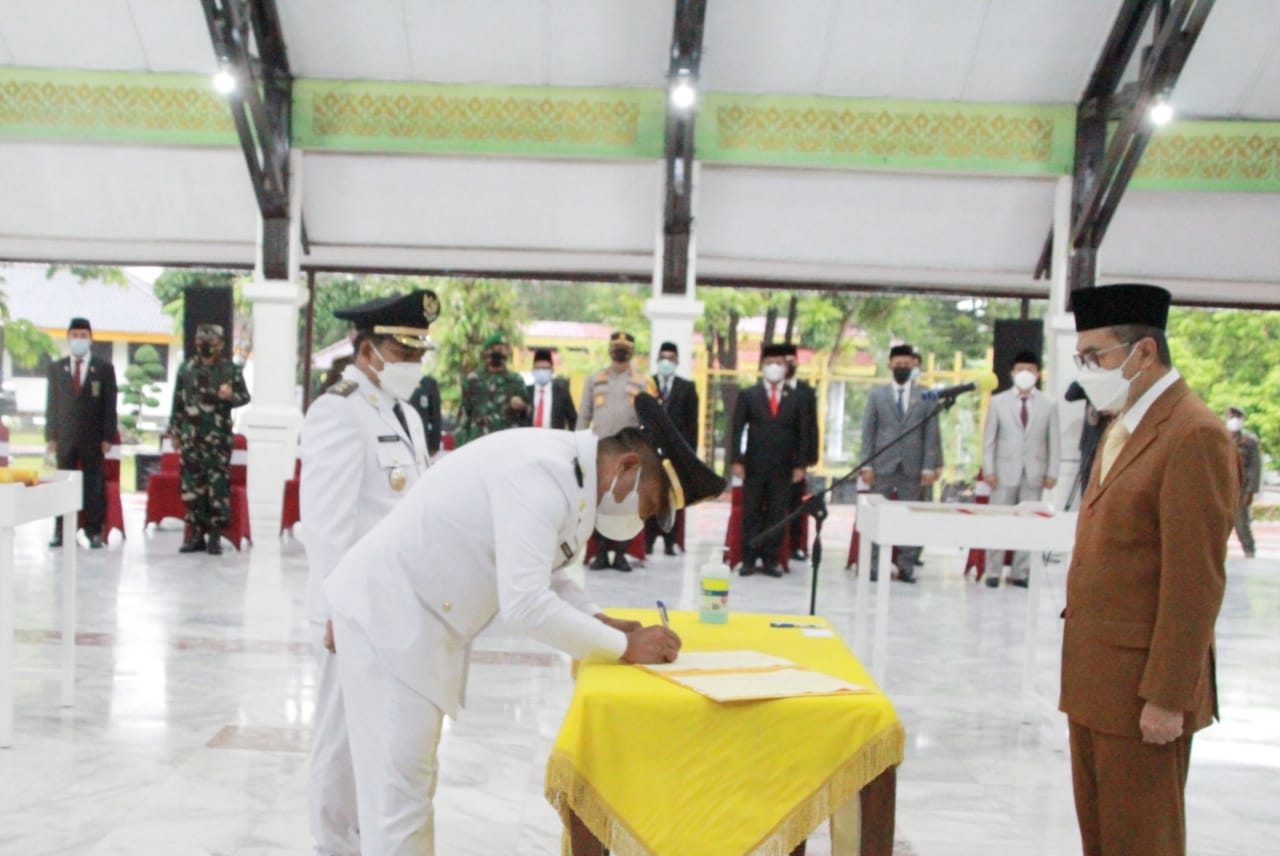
[(272, 419), (672, 316), (1060, 339)]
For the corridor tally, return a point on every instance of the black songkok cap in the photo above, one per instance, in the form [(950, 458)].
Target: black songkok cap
[(1125, 303), (542, 354), (776, 349), (79, 324), (901, 351), (1027, 357)]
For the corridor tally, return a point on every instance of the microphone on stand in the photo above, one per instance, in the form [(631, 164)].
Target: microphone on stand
[(948, 392)]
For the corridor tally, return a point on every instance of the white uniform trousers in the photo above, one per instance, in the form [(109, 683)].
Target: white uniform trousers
[(331, 783), (394, 733), (1024, 491)]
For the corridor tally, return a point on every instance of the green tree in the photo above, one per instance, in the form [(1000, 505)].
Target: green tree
[(25, 342), (1232, 357), (470, 311), (142, 380)]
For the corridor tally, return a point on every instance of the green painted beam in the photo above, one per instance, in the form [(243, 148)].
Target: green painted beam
[(593, 123)]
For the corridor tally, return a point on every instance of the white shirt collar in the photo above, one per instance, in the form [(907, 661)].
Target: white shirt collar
[(1134, 414), (900, 386)]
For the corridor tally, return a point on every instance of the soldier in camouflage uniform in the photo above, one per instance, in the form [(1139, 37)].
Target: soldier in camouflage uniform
[(492, 399), (207, 387)]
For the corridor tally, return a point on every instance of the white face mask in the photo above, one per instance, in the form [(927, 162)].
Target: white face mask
[(1024, 380), (1108, 389), (542, 377), (666, 368), (78, 347), (398, 380), (774, 372), (915, 373), (1234, 424), (620, 520)]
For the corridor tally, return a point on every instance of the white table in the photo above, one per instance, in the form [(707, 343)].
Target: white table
[(58, 494), (1029, 526)]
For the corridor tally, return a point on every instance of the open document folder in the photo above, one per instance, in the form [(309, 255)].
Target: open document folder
[(726, 676)]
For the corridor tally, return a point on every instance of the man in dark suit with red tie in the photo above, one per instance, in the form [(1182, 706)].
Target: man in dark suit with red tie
[(80, 423), (679, 397), (773, 417), (550, 398)]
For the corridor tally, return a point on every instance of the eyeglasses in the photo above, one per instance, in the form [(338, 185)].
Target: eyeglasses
[(1089, 359)]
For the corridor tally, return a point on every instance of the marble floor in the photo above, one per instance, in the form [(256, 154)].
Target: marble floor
[(195, 687)]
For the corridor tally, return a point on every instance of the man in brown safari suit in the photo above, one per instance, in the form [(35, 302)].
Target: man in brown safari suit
[(1146, 579)]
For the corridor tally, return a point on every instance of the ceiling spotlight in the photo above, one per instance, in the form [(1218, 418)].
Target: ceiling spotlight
[(683, 94), (224, 82), (1161, 112)]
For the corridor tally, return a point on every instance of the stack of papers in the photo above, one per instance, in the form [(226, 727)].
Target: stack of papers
[(726, 676)]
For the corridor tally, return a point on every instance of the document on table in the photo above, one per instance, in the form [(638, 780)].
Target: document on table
[(726, 676)]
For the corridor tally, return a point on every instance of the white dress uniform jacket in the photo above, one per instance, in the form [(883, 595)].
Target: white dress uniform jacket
[(1015, 453), (354, 450), (489, 529)]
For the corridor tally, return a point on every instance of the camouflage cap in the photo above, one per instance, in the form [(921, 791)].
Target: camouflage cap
[(209, 331), (495, 338)]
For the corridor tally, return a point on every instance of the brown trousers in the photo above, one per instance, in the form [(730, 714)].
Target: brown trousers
[(1129, 794)]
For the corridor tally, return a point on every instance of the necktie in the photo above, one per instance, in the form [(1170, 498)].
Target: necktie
[(1116, 438), (1024, 412), (75, 377), (403, 424), (542, 400), (773, 399), (902, 401), (666, 390)]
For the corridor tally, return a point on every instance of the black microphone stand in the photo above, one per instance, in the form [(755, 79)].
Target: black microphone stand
[(816, 505)]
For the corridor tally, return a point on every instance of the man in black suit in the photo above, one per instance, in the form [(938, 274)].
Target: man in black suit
[(80, 423), (426, 400), (808, 397), (773, 416), (679, 398), (552, 402)]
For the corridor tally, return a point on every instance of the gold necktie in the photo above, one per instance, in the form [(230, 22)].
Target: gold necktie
[(1116, 438)]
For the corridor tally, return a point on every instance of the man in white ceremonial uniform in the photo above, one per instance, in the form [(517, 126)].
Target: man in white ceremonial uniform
[(1021, 452), (489, 530), (362, 449)]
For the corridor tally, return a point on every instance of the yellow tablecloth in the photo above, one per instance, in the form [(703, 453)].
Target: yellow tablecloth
[(654, 768)]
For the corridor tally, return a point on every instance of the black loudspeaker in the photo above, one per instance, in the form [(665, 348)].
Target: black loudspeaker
[(207, 304), (1012, 336)]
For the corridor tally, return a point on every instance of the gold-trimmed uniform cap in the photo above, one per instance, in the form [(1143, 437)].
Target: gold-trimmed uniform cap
[(405, 317), (688, 480)]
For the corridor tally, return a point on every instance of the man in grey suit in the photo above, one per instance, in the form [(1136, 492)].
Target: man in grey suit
[(902, 471), (1020, 453)]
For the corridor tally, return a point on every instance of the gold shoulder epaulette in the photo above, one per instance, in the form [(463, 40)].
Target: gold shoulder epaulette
[(602, 376), (344, 388)]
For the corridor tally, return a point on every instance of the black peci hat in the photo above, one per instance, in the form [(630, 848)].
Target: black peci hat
[(404, 317), (1125, 303), (902, 351), (689, 480), (775, 349), (669, 346), (79, 324), (1028, 357), (541, 355)]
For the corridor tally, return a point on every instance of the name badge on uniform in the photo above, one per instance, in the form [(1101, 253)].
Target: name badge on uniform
[(568, 552), (95, 388)]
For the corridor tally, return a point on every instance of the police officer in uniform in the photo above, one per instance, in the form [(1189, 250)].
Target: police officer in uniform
[(493, 398), (608, 406), (362, 449), (206, 390), (491, 528)]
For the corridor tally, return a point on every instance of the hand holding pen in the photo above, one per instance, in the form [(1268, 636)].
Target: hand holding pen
[(655, 644)]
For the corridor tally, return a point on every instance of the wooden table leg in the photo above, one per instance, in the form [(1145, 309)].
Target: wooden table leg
[(878, 800), (582, 841)]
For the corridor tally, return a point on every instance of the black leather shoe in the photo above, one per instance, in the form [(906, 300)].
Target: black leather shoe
[(746, 570), (669, 550), (799, 556), (95, 542), (598, 562), (772, 571), (195, 545), (56, 542), (994, 581), (904, 577), (620, 563), (215, 542), (1020, 583)]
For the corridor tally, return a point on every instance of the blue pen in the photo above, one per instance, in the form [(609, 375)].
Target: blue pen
[(789, 624), (662, 610)]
